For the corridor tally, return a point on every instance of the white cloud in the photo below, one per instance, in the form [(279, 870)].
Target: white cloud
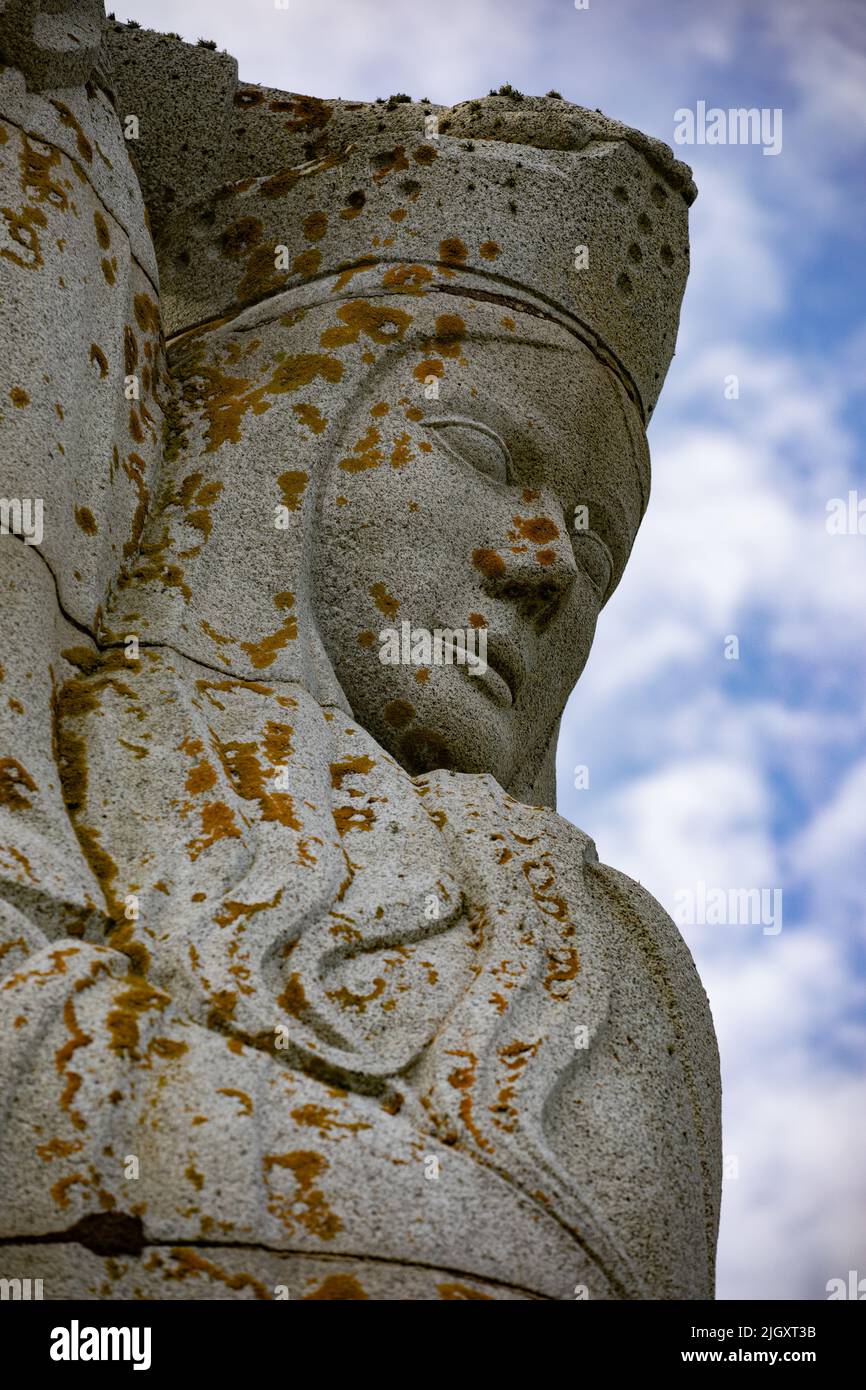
[(794, 1117), (703, 818)]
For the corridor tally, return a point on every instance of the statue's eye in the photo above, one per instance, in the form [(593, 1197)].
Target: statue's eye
[(595, 560), (477, 445)]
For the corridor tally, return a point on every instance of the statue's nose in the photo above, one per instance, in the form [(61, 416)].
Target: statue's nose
[(535, 578)]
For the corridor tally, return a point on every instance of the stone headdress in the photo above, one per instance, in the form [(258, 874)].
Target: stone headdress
[(566, 212)]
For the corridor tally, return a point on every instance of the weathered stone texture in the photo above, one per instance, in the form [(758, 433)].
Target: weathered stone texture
[(305, 986)]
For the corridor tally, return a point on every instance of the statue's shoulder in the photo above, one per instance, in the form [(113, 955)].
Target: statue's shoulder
[(475, 802)]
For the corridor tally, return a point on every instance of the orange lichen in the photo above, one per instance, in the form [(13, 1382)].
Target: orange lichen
[(233, 911), (135, 467), (337, 1287), (77, 1038), (85, 148), (264, 652), (348, 999), (278, 741), (307, 262), (239, 238), (320, 1117), (13, 778), (491, 565), (348, 818), (311, 416), (388, 162), (308, 1206), (292, 485), (103, 235), (217, 823), (201, 778), (58, 1148), (146, 313), (551, 904), (385, 602), (167, 1048), (366, 454), (293, 999), (246, 1102), (399, 713), (401, 453), (356, 267), (294, 372), (449, 336), (380, 323), (537, 529), (461, 1292), (407, 279), (130, 350), (562, 966), (350, 766), (123, 1020), (241, 764), (99, 357), (453, 251), (431, 366), (60, 1189), (315, 226), (463, 1079), (190, 1262), (308, 113), (36, 180), (135, 427)]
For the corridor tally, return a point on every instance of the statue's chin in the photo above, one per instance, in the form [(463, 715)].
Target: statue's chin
[(423, 733)]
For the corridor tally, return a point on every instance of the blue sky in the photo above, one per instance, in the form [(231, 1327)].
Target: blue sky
[(745, 773)]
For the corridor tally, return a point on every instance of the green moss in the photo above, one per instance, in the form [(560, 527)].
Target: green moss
[(506, 90)]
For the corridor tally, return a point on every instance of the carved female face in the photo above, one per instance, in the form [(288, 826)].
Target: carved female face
[(468, 454)]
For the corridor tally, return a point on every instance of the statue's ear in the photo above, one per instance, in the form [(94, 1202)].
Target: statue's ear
[(534, 781)]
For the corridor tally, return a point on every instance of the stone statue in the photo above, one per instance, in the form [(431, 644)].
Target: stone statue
[(307, 991)]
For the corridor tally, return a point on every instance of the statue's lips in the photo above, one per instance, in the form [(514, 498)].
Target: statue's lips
[(502, 671), (504, 658), (493, 682)]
